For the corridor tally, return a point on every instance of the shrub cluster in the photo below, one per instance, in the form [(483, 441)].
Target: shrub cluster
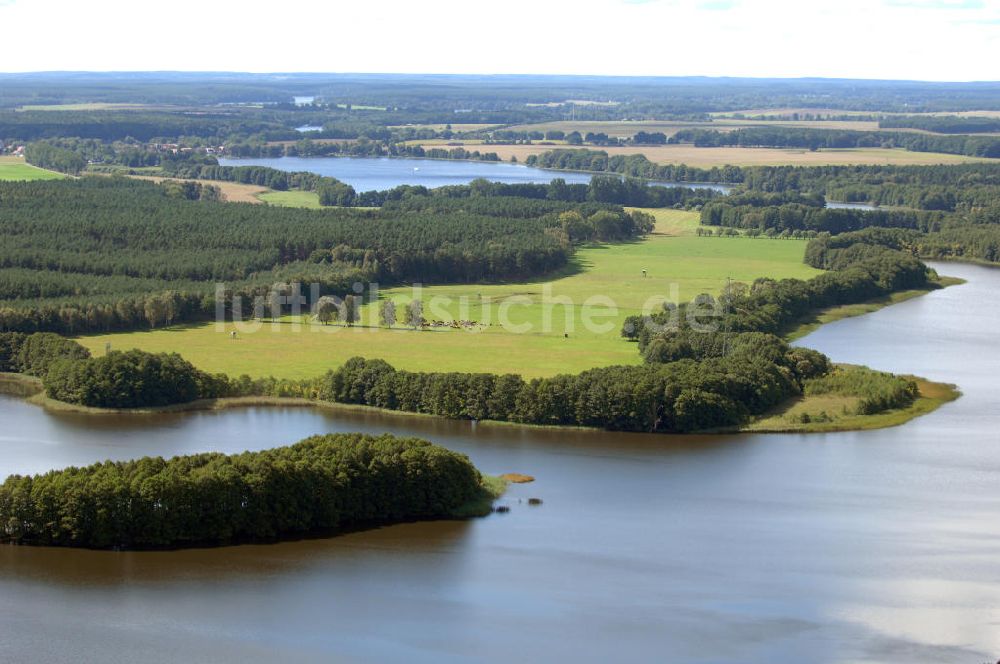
[(34, 354), (131, 379), (877, 391)]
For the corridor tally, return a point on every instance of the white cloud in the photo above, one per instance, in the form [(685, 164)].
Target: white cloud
[(916, 39)]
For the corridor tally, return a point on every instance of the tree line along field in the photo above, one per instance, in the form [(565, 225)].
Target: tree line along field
[(706, 157), (297, 348), (14, 168), (234, 192), (757, 113), (628, 128)]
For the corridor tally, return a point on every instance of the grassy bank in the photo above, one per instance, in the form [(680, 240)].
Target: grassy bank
[(832, 412), (492, 488), (805, 414), (20, 385)]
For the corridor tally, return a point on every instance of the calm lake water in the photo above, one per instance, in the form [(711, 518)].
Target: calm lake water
[(379, 173), (880, 546)]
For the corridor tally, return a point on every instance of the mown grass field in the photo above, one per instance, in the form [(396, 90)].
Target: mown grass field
[(677, 262), (734, 156), (295, 198), (14, 168)]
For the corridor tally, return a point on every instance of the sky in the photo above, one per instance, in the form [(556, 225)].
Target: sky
[(935, 40)]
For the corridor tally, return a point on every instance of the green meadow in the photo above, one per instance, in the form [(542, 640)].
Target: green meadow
[(14, 168), (565, 324), (292, 198)]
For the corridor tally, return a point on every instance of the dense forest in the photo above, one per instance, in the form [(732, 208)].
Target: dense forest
[(63, 268), (321, 485)]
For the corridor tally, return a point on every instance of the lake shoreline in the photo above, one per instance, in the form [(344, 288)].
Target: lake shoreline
[(722, 187), (820, 318), (932, 395), (30, 390)]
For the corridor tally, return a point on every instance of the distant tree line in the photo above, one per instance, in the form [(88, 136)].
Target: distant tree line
[(941, 124), (814, 139), (737, 213), (112, 125), (971, 242), (633, 165), (308, 147), (954, 187)]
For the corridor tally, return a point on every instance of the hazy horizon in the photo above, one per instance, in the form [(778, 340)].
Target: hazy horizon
[(720, 77), (899, 40)]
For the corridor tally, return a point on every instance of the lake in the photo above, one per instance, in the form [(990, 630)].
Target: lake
[(878, 546), (380, 173)]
